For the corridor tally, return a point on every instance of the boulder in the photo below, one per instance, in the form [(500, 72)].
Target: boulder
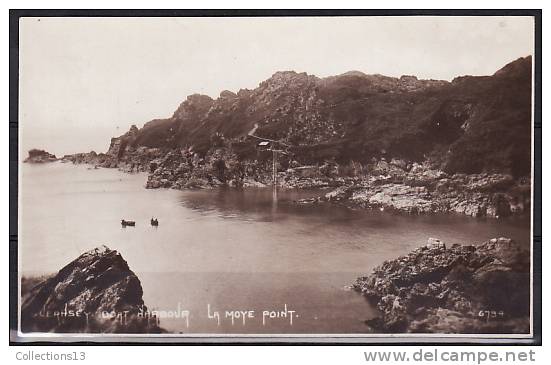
[(398, 197), (402, 164), (489, 182)]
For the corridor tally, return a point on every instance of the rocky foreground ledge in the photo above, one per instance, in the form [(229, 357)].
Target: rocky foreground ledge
[(460, 289), (95, 293)]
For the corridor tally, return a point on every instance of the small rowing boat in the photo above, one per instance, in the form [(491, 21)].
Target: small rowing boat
[(125, 223)]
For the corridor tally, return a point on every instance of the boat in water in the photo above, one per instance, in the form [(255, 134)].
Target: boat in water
[(125, 223)]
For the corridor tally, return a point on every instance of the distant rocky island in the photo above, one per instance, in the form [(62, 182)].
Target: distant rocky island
[(40, 156), (403, 144), (457, 289)]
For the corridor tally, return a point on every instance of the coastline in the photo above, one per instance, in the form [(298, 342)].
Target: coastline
[(396, 185)]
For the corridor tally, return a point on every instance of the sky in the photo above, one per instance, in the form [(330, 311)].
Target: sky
[(85, 80)]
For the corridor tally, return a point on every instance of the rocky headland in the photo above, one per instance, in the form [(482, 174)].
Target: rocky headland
[(375, 142), (95, 293), (457, 289)]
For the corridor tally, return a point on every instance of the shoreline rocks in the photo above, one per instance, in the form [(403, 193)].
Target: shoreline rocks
[(422, 190), (457, 289), (95, 293), (396, 185)]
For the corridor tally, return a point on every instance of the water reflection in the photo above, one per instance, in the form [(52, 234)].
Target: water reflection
[(263, 205)]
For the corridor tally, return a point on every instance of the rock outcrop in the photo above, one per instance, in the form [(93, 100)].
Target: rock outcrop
[(418, 189), (460, 289), (40, 156), (95, 293)]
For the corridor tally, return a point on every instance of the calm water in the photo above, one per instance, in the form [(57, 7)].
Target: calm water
[(227, 250)]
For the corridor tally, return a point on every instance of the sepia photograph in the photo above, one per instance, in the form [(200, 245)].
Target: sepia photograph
[(275, 178)]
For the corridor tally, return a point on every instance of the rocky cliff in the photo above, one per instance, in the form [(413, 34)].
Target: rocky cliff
[(457, 289), (95, 293), (416, 146), (469, 125)]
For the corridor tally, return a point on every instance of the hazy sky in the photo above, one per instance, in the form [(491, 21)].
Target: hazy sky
[(84, 80)]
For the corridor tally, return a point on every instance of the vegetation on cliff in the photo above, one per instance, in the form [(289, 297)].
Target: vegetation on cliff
[(470, 125)]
